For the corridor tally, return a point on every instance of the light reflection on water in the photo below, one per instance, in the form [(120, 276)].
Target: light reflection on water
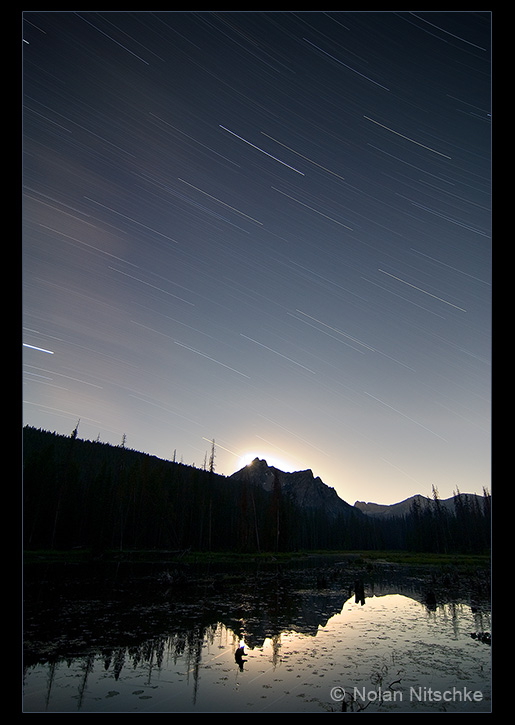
[(389, 654)]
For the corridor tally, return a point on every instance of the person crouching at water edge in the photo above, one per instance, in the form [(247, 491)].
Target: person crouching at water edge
[(239, 655)]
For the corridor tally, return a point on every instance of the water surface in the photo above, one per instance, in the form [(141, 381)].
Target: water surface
[(315, 640)]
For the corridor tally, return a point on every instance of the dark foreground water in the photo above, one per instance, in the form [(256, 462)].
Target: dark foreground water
[(323, 637)]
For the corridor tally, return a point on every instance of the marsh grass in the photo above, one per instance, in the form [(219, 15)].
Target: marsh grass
[(356, 558)]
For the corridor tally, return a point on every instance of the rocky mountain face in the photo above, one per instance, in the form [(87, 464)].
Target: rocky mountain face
[(302, 486)]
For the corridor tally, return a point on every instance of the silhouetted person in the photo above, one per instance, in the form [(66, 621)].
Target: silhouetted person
[(431, 600), (239, 655), (359, 591)]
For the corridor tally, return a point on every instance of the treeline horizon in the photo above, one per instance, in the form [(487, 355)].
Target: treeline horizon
[(96, 496)]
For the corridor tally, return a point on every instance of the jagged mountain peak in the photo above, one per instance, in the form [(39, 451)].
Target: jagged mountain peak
[(302, 486), (262, 464)]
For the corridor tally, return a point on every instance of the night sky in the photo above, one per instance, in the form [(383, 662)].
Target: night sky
[(270, 229)]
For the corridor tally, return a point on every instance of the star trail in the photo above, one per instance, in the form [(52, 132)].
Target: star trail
[(267, 229)]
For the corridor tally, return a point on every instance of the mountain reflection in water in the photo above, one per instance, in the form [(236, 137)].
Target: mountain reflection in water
[(127, 638)]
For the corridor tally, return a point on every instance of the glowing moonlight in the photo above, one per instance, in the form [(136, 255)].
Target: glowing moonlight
[(272, 460)]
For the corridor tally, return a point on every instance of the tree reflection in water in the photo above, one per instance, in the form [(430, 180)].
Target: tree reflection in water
[(276, 640)]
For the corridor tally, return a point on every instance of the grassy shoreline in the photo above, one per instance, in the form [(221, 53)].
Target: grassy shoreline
[(77, 556)]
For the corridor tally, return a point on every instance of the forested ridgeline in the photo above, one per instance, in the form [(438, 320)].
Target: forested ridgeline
[(101, 497)]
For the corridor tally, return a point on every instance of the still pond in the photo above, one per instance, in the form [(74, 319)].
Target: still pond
[(335, 636)]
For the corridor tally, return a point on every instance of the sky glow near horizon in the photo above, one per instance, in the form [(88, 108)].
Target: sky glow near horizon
[(267, 229)]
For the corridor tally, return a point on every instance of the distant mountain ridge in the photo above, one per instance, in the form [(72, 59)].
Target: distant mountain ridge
[(304, 488), (403, 508), (309, 491)]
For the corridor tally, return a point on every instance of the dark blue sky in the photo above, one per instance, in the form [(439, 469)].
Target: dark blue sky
[(270, 229)]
